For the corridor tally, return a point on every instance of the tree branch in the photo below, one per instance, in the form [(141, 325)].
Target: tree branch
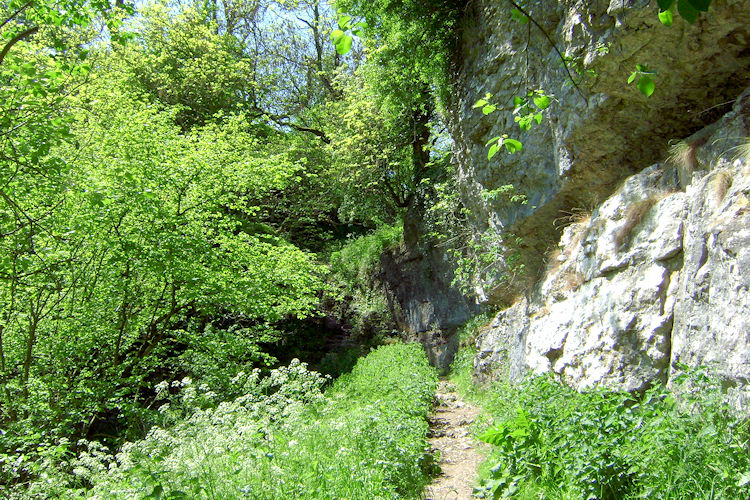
[(12, 16), (552, 43), (283, 121), (15, 40)]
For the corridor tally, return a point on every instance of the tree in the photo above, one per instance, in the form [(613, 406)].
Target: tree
[(409, 47)]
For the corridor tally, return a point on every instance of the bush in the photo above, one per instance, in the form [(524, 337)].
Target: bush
[(357, 260), (555, 442), (354, 271), (284, 438)]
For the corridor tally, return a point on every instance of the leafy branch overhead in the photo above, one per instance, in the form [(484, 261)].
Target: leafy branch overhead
[(528, 111), (342, 37)]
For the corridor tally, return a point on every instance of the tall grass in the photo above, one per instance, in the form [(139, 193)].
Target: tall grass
[(363, 438), (558, 443)]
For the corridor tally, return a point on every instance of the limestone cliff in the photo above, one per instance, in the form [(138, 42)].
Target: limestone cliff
[(596, 133), (652, 266), (654, 279)]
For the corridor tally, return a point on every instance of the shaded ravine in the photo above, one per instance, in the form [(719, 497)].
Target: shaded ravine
[(450, 434)]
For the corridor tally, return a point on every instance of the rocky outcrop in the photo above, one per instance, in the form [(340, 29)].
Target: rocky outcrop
[(427, 308), (598, 132), (653, 279)]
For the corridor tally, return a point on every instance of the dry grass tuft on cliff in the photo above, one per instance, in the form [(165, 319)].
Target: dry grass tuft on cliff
[(634, 215), (720, 185)]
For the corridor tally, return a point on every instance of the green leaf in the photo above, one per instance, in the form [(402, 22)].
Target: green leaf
[(336, 35), (646, 85), (519, 433), (492, 152), (666, 17), (633, 76), (665, 4), (744, 479), (344, 45), (538, 118), (156, 492), (494, 139), (489, 108), (701, 5), (344, 22), (524, 122), (542, 101), (517, 15), (28, 69), (480, 103), (513, 145), (494, 436), (687, 11)]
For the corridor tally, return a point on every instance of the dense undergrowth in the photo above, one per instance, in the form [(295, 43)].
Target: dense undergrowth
[(550, 441), (285, 437), (356, 286)]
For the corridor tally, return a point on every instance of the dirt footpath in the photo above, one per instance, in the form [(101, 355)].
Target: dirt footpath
[(450, 433)]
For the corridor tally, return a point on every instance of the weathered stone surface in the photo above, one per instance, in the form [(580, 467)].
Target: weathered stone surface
[(500, 346), (611, 330), (588, 140), (655, 278), (712, 313), (425, 305)]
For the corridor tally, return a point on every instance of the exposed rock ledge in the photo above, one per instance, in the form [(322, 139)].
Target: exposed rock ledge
[(585, 146), (654, 278)]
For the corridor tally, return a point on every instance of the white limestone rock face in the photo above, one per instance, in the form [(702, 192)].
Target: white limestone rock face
[(613, 330), (592, 136), (654, 279), (712, 314), (500, 346)]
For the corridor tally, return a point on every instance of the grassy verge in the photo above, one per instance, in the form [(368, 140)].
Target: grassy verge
[(555, 443), (365, 437)]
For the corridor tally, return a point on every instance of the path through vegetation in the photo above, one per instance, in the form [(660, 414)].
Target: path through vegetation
[(450, 434)]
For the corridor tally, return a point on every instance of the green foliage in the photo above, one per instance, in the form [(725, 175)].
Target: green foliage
[(603, 444), (410, 42), (506, 194), (644, 77), (105, 261), (365, 437), (341, 38), (354, 272), (371, 152), (519, 16), (356, 261), (462, 367), (689, 10), (528, 110), (488, 258), (179, 59)]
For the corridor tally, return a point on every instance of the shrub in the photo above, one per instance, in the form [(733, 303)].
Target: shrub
[(356, 260), (554, 441), (365, 437), (354, 271)]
